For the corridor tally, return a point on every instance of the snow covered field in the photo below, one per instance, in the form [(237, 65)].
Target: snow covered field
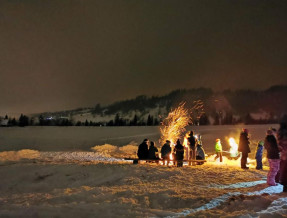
[(83, 138), (68, 172)]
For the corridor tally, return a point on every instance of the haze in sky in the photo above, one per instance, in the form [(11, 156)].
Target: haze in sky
[(57, 55)]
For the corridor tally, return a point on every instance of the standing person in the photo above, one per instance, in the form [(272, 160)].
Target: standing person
[(165, 152), (258, 156), (179, 153), (143, 150), (244, 147), (192, 146), (152, 151), (218, 150), (282, 144), (273, 156)]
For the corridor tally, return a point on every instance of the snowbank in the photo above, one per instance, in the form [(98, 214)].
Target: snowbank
[(18, 155), (115, 151)]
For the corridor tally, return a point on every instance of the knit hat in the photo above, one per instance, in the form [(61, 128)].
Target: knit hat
[(269, 132), (245, 130)]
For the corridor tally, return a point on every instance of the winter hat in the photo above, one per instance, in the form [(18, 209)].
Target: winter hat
[(167, 141), (269, 132), (261, 143), (245, 130)]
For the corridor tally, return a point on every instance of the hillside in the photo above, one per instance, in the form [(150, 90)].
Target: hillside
[(207, 106)]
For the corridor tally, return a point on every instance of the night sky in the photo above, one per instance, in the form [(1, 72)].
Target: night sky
[(57, 55)]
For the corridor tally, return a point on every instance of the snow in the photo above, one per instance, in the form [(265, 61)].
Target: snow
[(98, 182)]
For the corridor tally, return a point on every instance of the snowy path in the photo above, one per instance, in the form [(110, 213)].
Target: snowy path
[(223, 198)]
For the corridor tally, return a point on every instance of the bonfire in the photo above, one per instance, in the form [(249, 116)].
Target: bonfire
[(174, 125), (233, 148)]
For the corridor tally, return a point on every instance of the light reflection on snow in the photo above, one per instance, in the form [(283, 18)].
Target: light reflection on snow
[(223, 198), (239, 185), (277, 207)]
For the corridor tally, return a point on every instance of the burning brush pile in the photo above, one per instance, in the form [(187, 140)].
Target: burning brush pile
[(174, 125), (174, 128)]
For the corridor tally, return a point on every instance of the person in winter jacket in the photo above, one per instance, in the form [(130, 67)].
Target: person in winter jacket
[(273, 156), (179, 153), (192, 146), (244, 147), (152, 151), (258, 156), (200, 153), (165, 152), (218, 150), (143, 150), (282, 145)]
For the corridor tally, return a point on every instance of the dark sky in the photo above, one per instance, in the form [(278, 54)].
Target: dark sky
[(64, 54)]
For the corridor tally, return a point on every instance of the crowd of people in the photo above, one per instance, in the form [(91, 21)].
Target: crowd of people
[(275, 144), (148, 151)]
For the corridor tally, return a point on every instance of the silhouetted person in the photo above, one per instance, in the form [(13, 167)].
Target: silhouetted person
[(192, 146), (165, 152), (282, 144), (273, 156), (143, 150), (244, 148), (179, 153), (152, 151), (200, 153)]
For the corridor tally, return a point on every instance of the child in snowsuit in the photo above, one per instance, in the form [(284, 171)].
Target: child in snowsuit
[(258, 156), (200, 153), (218, 149), (273, 156)]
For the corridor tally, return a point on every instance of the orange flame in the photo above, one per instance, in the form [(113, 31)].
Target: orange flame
[(233, 147)]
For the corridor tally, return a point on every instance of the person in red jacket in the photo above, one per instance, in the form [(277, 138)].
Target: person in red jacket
[(244, 147)]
